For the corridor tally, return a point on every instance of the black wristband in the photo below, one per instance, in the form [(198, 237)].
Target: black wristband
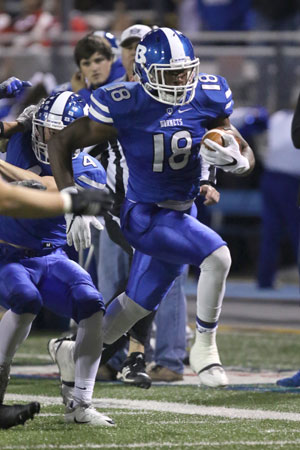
[(1, 128)]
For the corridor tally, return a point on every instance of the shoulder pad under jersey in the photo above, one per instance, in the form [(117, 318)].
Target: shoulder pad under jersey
[(113, 101), (88, 172), (214, 93)]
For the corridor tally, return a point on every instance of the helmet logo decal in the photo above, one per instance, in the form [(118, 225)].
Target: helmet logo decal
[(140, 54)]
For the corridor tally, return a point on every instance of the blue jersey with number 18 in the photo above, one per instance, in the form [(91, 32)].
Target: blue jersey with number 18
[(161, 142)]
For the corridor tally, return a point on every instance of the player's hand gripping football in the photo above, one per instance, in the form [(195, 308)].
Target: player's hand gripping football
[(227, 158), (81, 208)]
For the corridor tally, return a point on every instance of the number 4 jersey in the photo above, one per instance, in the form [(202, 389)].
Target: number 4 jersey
[(161, 142)]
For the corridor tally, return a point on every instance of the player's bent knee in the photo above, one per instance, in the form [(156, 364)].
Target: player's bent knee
[(87, 308), (86, 302), (121, 315), (26, 301), (219, 261), (133, 309)]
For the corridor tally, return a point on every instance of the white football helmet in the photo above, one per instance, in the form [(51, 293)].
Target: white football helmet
[(55, 113)]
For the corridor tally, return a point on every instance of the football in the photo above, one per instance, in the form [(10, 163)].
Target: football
[(216, 135)]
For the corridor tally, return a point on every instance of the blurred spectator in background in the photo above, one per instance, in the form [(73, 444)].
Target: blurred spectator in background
[(188, 16), (32, 25), (225, 15), (96, 64), (122, 18), (5, 17), (276, 15), (294, 381), (75, 20), (279, 187)]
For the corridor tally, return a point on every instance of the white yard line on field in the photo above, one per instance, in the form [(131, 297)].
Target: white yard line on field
[(171, 407)]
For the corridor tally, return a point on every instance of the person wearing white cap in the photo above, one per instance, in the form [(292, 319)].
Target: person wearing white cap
[(128, 42), (137, 31)]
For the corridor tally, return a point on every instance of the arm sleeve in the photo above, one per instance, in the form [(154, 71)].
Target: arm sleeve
[(296, 125)]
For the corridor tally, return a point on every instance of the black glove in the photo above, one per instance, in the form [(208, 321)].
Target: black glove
[(34, 184), (91, 202)]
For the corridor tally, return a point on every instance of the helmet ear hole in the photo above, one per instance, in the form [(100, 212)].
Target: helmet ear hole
[(161, 50)]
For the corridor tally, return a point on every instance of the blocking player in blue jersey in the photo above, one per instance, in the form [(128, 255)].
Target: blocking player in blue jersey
[(35, 272), (160, 121)]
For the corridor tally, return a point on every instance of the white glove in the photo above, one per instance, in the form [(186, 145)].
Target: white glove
[(228, 158), (79, 227), (25, 118), (79, 230)]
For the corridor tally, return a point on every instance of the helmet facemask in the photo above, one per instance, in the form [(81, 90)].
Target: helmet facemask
[(41, 133), (161, 53), (158, 87)]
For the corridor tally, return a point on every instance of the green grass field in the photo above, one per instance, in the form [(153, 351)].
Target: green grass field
[(171, 416)]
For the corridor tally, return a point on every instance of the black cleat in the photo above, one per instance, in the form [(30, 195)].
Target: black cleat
[(13, 415), (134, 371)]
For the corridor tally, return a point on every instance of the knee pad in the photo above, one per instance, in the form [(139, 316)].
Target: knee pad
[(218, 262), (23, 299), (86, 301), (121, 315)]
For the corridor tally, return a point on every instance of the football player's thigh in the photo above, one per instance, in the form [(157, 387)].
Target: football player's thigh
[(17, 288), (179, 238), (150, 279), (68, 287)]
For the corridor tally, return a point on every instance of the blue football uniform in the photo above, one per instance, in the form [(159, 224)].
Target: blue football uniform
[(34, 269), (162, 154)]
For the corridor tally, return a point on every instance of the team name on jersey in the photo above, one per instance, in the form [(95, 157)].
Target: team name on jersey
[(170, 123)]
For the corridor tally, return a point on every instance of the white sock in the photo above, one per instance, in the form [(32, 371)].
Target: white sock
[(14, 329), (211, 286), (83, 391), (87, 355)]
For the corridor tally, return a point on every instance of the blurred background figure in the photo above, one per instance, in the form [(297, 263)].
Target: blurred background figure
[(32, 24), (279, 186), (229, 15), (276, 15)]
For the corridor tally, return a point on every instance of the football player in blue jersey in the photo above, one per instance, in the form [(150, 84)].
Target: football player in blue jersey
[(160, 121), (14, 200), (35, 270)]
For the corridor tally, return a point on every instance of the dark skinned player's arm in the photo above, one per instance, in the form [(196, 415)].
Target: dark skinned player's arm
[(246, 150), (296, 125), (81, 133)]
